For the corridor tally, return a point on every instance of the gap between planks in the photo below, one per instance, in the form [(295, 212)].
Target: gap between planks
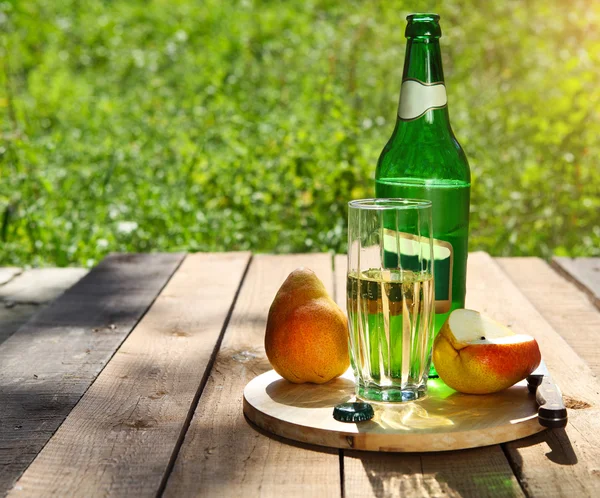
[(196, 399), (477, 472), (561, 302), (552, 463), (223, 454), (7, 273), (40, 285), (558, 462), (583, 272), (23, 293), (65, 346), (120, 438)]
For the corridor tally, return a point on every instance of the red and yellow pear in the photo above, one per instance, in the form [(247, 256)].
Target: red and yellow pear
[(307, 333), (474, 354)]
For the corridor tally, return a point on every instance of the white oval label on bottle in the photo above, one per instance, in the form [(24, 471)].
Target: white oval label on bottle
[(416, 98)]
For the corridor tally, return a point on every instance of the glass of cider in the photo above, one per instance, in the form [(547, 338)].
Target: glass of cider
[(390, 293)]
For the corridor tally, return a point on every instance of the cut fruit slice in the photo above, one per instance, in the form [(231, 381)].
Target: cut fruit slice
[(477, 355)]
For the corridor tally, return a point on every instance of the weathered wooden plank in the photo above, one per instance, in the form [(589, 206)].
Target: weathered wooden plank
[(29, 290), (554, 463), (40, 285), (491, 290), (47, 365), (222, 455), (7, 273), (121, 436), (480, 472), (584, 272), (561, 303), (13, 316)]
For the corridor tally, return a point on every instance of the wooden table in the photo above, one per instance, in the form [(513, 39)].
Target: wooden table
[(130, 384)]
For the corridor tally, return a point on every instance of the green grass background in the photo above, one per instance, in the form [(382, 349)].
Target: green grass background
[(225, 125)]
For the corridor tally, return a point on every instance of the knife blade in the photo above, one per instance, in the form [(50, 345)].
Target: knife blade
[(552, 412)]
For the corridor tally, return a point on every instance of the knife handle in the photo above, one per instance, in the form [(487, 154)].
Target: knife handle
[(533, 381), (552, 412)]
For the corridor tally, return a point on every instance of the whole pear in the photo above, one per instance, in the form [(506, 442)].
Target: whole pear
[(307, 333)]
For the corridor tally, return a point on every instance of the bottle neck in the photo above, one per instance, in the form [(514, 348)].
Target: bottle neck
[(423, 101), (423, 61)]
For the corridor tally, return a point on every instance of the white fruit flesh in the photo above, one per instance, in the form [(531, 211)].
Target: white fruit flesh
[(471, 327), (477, 355), (508, 339)]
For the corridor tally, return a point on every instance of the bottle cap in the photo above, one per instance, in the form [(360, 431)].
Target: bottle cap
[(353, 412)]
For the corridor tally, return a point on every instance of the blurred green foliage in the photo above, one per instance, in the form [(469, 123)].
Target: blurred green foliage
[(226, 125)]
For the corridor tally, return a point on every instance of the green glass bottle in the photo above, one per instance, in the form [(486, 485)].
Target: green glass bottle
[(423, 160)]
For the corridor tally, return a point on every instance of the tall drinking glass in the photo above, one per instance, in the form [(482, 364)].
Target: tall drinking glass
[(390, 294)]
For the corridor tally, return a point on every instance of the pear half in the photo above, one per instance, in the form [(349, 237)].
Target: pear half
[(476, 355)]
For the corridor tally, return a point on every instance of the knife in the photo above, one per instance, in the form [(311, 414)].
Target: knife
[(552, 412)]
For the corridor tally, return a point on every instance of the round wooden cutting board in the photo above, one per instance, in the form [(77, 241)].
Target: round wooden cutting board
[(444, 420)]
